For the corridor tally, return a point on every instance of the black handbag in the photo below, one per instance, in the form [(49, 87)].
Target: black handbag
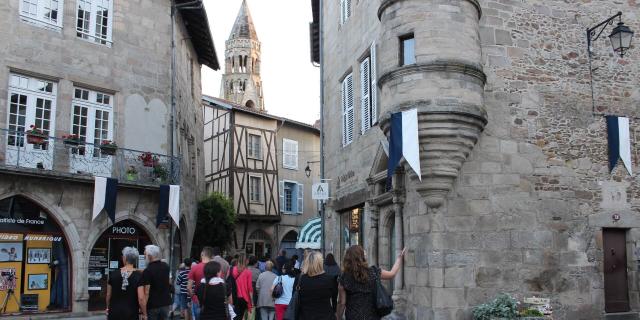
[(293, 308), (278, 290), (383, 301)]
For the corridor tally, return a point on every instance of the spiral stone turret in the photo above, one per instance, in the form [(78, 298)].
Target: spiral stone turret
[(445, 84)]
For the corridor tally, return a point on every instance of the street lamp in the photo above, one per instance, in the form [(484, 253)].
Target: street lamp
[(620, 38), (307, 170)]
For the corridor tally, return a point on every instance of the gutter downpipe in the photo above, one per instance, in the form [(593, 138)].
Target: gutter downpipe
[(322, 176), (172, 124)]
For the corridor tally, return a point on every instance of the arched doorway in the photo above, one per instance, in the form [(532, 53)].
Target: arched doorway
[(106, 256), (259, 244), (288, 243), (35, 262)]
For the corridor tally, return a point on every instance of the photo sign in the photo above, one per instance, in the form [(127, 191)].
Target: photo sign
[(320, 191)]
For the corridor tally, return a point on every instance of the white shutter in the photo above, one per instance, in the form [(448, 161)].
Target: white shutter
[(300, 198), (347, 11), (350, 111), (342, 11), (281, 192), (374, 86), (294, 154), (365, 102), (344, 112)]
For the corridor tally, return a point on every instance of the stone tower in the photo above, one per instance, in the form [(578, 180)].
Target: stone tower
[(241, 82)]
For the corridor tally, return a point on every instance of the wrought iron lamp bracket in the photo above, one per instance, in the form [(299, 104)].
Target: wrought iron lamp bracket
[(595, 32)]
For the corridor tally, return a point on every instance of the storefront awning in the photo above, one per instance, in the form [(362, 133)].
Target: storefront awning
[(310, 235)]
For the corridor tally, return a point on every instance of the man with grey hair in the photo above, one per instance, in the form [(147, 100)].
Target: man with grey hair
[(154, 290)]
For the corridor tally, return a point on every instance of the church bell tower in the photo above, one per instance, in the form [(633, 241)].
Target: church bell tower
[(241, 82)]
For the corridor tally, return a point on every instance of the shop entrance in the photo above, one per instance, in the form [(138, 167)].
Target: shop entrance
[(106, 256), (34, 259), (259, 244)]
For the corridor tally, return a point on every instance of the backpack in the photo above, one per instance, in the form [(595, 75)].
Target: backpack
[(232, 288)]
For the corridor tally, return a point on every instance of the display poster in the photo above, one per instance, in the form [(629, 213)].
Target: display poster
[(11, 269), (142, 262), (98, 262), (29, 302)]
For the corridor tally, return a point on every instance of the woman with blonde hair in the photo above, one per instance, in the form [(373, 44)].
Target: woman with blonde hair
[(357, 285), (315, 289)]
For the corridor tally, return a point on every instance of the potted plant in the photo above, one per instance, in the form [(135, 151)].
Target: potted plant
[(502, 307), (148, 159), (132, 174), (160, 172), (108, 147), (72, 140), (35, 136)]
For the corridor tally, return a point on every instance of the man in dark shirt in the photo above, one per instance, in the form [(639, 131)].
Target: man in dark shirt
[(154, 290), (280, 261)]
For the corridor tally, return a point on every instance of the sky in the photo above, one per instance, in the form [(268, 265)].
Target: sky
[(290, 82)]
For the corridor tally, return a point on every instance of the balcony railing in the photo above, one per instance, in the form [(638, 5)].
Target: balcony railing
[(22, 152)]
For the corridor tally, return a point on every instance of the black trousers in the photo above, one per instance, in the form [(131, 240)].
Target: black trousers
[(240, 307)]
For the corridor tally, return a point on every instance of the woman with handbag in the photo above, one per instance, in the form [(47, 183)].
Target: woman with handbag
[(212, 294), (283, 289), (315, 290), (359, 286)]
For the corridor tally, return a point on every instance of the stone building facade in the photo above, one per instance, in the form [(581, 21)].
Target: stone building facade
[(515, 193), (259, 161), (96, 70), (241, 82)]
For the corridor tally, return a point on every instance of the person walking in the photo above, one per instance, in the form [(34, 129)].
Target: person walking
[(212, 294), (244, 289), (182, 280), (196, 274), (357, 285), (287, 278), (265, 304), (122, 288), (317, 289), (154, 290), (255, 273), (280, 261), (333, 269)]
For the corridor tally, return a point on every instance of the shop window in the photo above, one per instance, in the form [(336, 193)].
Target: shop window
[(35, 263), (351, 228), (106, 256)]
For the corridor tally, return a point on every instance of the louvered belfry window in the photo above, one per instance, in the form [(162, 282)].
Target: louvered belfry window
[(347, 110)]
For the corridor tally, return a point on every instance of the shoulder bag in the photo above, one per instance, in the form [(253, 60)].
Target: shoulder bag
[(293, 308), (278, 290), (383, 301)]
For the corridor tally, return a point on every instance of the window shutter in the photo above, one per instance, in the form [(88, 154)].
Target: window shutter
[(344, 112), (374, 86), (300, 198), (347, 11), (365, 102), (285, 152), (342, 11), (281, 192), (294, 154), (350, 111)]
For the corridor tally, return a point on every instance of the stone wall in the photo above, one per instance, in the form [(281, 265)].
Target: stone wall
[(526, 212)]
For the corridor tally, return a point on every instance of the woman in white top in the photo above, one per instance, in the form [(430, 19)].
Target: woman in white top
[(288, 278)]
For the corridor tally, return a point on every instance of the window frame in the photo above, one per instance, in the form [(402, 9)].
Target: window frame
[(42, 21), (402, 39), (251, 152), (90, 35), (290, 153), (348, 112), (93, 108), (251, 184), (297, 197)]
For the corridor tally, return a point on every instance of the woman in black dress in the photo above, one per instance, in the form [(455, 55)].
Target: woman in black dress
[(212, 294), (122, 289), (316, 288), (357, 285)]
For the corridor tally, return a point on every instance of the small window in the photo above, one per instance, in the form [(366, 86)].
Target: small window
[(45, 13), (254, 146), (94, 20), (289, 154), (407, 50), (255, 189), (291, 197)]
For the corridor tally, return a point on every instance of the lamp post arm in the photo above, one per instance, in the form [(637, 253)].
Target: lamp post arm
[(593, 33)]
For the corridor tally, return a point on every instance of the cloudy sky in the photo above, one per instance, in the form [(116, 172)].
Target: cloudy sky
[(290, 81)]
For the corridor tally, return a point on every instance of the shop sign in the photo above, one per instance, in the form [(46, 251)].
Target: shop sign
[(320, 191), (124, 230), (35, 222), (29, 303)]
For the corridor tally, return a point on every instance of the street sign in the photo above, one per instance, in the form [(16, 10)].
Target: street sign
[(320, 191)]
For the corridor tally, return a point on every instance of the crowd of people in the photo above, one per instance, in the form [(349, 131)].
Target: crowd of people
[(246, 288)]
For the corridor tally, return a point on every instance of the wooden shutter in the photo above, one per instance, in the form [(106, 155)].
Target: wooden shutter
[(374, 86), (300, 198), (344, 112), (365, 97), (349, 105), (281, 192), (294, 153)]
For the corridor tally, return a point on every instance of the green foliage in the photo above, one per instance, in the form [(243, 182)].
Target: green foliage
[(531, 313), (503, 306), (216, 220)]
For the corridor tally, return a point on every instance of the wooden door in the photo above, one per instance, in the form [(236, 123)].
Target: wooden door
[(616, 293)]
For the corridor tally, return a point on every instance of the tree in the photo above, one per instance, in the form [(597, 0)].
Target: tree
[(216, 220)]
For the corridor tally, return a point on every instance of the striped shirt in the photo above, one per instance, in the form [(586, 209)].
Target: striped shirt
[(182, 280)]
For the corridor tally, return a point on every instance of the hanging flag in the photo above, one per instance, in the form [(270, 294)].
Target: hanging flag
[(403, 141), (104, 197), (169, 203), (619, 142)]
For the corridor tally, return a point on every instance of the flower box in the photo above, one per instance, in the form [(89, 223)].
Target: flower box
[(36, 139), (108, 150), (148, 160), (72, 140), (132, 176)]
